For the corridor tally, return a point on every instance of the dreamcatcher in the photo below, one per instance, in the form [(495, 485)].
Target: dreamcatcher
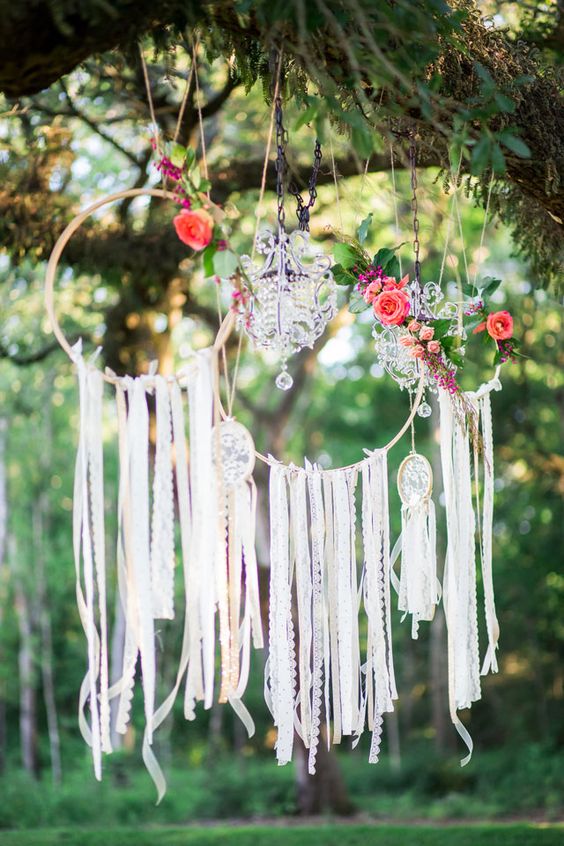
[(323, 681)]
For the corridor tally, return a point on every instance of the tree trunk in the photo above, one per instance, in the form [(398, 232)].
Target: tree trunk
[(28, 695), (47, 676), (325, 790), (3, 580)]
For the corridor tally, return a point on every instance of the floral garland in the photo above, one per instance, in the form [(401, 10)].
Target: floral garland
[(438, 343), (202, 225)]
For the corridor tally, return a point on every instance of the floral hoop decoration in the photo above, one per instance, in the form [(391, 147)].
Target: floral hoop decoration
[(413, 322)]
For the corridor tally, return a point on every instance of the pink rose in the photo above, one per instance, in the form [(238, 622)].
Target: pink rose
[(417, 351), (479, 328), (433, 346), (390, 283), (500, 325), (407, 341), (414, 326), (426, 333), (391, 307), (372, 291), (194, 228)]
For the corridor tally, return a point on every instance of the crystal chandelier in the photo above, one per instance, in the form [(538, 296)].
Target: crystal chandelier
[(292, 295)]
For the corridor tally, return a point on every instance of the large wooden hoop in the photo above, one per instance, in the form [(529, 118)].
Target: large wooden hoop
[(55, 257)]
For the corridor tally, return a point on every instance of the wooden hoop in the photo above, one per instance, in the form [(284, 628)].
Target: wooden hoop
[(55, 257), (224, 330)]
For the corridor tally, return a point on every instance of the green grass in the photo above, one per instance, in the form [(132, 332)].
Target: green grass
[(283, 835)]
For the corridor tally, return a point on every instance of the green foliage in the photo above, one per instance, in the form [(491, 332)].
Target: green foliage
[(527, 834)]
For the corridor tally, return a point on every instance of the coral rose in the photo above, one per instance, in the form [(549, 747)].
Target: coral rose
[(426, 333), (194, 228), (391, 307), (479, 328), (433, 346), (500, 325)]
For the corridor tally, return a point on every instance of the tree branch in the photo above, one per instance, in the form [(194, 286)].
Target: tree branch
[(34, 357)]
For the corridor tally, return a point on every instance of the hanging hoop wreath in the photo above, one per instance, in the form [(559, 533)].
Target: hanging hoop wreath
[(328, 677)]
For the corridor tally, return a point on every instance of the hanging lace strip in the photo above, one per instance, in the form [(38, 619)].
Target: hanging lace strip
[(280, 669), (418, 588), (162, 526), (380, 678), (459, 585), (492, 625), (313, 535), (88, 546)]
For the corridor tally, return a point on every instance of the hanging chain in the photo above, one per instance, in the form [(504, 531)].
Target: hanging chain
[(303, 209), (281, 165), (412, 153)]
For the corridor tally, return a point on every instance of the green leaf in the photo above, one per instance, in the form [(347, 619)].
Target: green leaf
[(357, 303), (205, 185), (504, 103), (383, 256), (481, 154), (342, 276), (497, 356), (469, 290), (455, 357), (498, 159), (196, 178), (516, 145), (190, 157), (488, 285), (225, 263), (362, 231), (473, 320), (363, 141), (178, 154), (207, 260), (346, 255), (441, 327), (306, 117), (392, 267)]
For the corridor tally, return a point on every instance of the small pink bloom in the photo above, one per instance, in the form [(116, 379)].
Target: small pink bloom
[(479, 328), (414, 326), (433, 346), (407, 341), (194, 228), (391, 307), (403, 282), (500, 325), (417, 351), (426, 333), (372, 291)]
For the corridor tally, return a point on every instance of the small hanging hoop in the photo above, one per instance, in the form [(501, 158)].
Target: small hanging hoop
[(55, 257)]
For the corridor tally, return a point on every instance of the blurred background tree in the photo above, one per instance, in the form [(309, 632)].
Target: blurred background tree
[(464, 85)]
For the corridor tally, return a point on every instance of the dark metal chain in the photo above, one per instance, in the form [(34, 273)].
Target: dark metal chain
[(413, 166), (303, 209), (281, 166)]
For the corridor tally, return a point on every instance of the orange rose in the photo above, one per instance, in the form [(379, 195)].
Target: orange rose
[(500, 325), (391, 307), (194, 228)]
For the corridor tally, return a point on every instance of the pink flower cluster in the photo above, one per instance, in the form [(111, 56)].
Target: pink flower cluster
[(420, 340), (171, 171)]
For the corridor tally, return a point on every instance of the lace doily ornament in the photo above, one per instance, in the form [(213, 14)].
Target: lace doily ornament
[(237, 452), (415, 479)]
